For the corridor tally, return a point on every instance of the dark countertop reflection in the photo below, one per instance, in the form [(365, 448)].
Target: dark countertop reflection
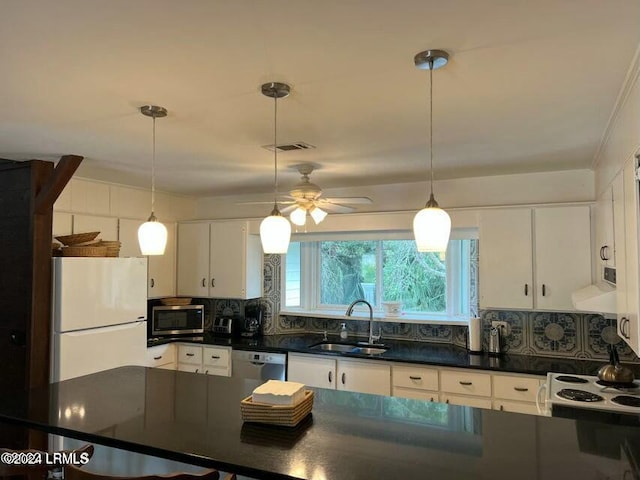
[(439, 354), (196, 418)]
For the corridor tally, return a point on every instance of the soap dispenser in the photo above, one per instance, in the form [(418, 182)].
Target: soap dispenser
[(343, 331)]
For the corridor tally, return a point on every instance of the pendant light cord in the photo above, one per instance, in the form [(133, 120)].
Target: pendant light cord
[(431, 124), (153, 170), (275, 150)]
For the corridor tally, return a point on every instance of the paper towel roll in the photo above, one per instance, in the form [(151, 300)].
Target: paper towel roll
[(475, 335)]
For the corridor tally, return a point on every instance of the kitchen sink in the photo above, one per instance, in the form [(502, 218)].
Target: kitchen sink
[(349, 348), (333, 347)]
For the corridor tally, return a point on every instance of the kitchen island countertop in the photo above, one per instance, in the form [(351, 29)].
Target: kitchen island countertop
[(426, 353), (196, 419)]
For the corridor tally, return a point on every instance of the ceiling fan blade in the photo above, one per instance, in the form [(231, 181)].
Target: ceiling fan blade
[(288, 209), (334, 207), (353, 200), (270, 202)]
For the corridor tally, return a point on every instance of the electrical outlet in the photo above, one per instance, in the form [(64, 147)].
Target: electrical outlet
[(503, 326)]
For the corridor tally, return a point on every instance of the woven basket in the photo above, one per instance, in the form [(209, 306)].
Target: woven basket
[(282, 415), (113, 247), (84, 251), (77, 238), (175, 301)]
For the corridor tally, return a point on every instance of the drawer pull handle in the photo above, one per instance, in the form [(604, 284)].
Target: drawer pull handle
[(197, 370), (415, 378), (157, 358), (446, 401), (217, 357), (213, 282), (344, 378), (153, 283), (501, 408), (466, 384), (204, 282), (526, 289), (432, 399), (330, 377), (206, 372), (190, 354), (520, 389), (544, 290)]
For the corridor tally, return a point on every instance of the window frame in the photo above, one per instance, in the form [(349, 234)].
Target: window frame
[(458, 299)]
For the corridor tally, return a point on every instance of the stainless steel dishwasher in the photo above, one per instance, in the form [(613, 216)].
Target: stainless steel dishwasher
[(258, 365)]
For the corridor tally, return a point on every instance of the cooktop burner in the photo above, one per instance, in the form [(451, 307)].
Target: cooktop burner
[(627, 400), (579, 395), (571, 379), (618, 385)]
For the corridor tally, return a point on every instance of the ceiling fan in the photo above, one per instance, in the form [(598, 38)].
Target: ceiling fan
[(306, 197)]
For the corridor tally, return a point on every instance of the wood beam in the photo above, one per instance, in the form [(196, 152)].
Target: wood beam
[(50, 192)]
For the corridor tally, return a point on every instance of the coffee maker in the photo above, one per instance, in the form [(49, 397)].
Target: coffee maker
[(251, 325)]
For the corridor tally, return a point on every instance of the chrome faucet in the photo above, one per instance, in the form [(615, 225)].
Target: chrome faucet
[(372, 338)]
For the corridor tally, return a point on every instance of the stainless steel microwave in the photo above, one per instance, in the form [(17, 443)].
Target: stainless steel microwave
[(177, 320)]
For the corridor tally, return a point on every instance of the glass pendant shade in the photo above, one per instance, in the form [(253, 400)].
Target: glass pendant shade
[(152, 237), (298, 216), (431, 229), (318, 214), (275, 233)]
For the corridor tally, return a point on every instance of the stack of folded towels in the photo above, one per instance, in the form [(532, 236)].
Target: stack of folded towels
[(277, 392)]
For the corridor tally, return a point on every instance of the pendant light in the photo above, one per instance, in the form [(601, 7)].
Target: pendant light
[(275, 230), (152, 235), (431, 225)]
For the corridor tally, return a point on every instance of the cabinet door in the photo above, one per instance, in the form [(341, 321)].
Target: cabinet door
[(193, 259), (107, 226), (228, 259), (563, 255), (365, 377), (313, 371), (628, 324), (621, 255), (128, 236), (506, 259), (162, 268), (605, 241)]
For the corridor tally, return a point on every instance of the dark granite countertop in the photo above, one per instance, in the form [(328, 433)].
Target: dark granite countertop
[(439, 354), (196, 419)]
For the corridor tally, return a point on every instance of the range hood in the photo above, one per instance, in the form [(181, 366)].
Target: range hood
[(598, 298)]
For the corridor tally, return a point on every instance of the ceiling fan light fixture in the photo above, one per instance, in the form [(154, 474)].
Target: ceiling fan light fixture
[(298, 216), (275, 230), (318, 214), (431, 225), (152, 235)]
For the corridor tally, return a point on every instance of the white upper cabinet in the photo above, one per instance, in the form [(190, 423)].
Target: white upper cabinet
[(506, 270), (627, 271), (534, 262), (562, 255), (219, 259), (605, 236), (161, 279), (107, 226)]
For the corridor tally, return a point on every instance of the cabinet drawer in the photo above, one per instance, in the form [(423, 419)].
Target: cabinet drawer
[(160, 355), (416, 394), (477, 402), (466, 383), (215, 357), (522, 389), (415, 377), (190, 354), (516, 407)]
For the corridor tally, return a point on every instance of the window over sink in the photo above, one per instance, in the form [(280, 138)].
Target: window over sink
[(325, 275)]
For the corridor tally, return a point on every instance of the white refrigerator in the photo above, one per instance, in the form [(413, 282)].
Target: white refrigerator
[(99, 315)]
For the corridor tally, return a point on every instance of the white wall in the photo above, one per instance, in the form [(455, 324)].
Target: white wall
[(500, 190), (621, 141)]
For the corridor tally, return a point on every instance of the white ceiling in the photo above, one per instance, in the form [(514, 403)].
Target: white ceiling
[(529, 87)]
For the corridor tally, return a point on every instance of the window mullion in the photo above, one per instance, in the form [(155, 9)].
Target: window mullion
[(379, 275)]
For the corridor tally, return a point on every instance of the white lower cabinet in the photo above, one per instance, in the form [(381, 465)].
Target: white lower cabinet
[(412, 381), (350, 375), (207, 360), (162, 356), (464, 387)]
